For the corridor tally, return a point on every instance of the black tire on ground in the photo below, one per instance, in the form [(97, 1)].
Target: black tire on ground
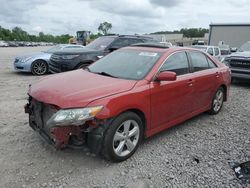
[(82, 66), (217, 101), (120, 150), (39, 67)]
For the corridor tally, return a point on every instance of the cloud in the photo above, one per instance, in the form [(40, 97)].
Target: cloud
[(37, 29), (128, 8), (165, 3), (126, 16), (16, 12)]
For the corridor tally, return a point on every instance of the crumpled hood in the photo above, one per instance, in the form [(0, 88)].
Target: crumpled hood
[(77, 88)]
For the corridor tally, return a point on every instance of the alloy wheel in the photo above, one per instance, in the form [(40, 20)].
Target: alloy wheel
[(126, 138), (218, 100), (39, 68)]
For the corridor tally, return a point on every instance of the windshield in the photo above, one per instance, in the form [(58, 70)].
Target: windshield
[(203, 48), (126, 64), (54, 49), (101, 43), (245, 47)]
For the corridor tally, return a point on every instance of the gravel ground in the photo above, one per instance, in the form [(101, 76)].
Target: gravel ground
[(196, 153)]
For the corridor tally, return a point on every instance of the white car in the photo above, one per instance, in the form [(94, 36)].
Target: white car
[(3, 44), (212, 50)]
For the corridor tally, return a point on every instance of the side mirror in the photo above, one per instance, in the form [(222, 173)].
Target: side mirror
[(166, 76)]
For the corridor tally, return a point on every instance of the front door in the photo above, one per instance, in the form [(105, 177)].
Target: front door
[(172, 99)]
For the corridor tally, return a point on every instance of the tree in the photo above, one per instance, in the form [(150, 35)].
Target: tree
[(105, 27)]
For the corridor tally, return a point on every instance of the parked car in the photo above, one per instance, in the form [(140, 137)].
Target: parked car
[(3, 43), (212, 50), (132, 93), (239, 62), (225, 51), (75, 59), (12, 44), (37, 63), (169, 44)]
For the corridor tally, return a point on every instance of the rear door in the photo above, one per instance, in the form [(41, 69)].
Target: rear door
[(206, 76), (172, 99)]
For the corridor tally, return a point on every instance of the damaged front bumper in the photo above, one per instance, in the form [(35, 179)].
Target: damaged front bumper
[(90, 133)]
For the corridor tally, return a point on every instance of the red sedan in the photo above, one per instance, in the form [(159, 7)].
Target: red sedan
[(130, 94)]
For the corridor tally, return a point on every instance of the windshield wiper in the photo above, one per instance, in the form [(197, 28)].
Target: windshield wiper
[(105, 74)]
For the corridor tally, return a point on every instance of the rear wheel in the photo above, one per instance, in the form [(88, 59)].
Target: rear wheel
[(39, 68), (217, 101), (122, 137)]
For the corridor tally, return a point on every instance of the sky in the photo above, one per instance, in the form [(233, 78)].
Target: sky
[(127, 16)]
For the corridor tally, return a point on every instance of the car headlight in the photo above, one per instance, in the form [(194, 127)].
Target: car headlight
[(77, 116), (69, 56)]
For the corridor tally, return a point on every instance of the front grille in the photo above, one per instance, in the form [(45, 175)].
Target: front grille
[(55, 57), (240, 63), (41, 113)]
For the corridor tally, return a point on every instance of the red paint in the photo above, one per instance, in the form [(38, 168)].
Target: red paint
[(61, 135), (164, 104)]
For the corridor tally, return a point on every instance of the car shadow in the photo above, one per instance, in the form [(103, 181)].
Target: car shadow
[(26, 74), (241, 83), (175, 128)]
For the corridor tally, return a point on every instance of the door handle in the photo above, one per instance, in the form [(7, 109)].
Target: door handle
[(217, 75), (190, 82)]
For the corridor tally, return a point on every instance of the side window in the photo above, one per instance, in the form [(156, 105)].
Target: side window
[(199, 61), (210, 51), (177, 63), (216, 51), (120, 42), (211, 64)]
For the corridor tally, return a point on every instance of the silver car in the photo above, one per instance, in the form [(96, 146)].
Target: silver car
[(38, 63)]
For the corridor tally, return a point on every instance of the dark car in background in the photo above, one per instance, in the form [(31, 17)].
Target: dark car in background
[(239, 62), (74, 59)]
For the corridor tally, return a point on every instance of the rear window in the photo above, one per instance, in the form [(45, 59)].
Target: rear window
[(199, 61), (216, 51)]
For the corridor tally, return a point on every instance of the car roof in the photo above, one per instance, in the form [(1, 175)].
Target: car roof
[(206, 46), (128, 36), (160, 49)]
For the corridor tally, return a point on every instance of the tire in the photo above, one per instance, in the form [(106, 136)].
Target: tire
[(82, 66), (217, 101), (39, 68), (118, 145)]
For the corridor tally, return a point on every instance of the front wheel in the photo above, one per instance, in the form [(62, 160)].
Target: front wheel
[(39, 68), (122, 137), (217, 101)]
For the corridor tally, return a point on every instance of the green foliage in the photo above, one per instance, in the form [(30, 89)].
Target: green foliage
[(94, 36), (20, 35), (187, 32), (105, 27)]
